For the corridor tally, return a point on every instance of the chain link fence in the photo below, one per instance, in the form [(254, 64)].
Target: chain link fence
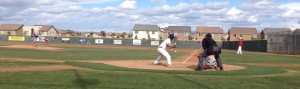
[(284, 42), (104, 41), (255, 45)]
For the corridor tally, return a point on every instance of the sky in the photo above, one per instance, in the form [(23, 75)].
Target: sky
[(121, 15)]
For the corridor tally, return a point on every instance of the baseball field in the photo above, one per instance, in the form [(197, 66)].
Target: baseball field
[(74, 66)]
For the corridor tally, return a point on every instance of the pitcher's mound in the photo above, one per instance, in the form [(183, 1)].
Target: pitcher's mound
[(34, 48), (147, 64)]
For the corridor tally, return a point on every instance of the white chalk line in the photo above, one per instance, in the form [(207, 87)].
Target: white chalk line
[(189, 57)]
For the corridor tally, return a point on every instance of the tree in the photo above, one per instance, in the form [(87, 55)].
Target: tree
[(129, 36), (123, 35), (190, 37), (90, 34), (102, 33), (160, 37), (113, 35), (149, 37), (135, 37)]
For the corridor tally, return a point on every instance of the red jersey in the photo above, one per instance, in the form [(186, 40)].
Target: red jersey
[(240, 43)]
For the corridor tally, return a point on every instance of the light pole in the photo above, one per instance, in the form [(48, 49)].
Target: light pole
[(284, 22), (131, 26)]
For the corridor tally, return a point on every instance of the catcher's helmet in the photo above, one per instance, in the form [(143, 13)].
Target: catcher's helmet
[(171, 36)]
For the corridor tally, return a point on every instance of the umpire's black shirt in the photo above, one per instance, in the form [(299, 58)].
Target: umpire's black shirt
[(206, 42)]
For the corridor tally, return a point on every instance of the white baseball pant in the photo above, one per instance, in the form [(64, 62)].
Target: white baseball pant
[(163, 53), (239, 50)]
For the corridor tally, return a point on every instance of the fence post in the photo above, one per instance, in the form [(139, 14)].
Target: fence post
[(294, 48)]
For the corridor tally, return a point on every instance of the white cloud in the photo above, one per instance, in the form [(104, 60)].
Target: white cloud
[(128, 4), (216, 5), (94, 14), (292, 10), (234, 11), (253, 19)]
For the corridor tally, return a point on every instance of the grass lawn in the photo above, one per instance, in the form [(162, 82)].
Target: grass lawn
[(110, 77), (84, 54), (23, 63)]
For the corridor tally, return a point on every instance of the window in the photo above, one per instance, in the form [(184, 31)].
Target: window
[(254, 36), (147, 32), (200, 34), (234, 35), (136, 32), (241, 35), (153, 32)]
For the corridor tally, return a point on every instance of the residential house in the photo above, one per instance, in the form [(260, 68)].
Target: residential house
[(146, 31), (216, 32), (91, 34), (46, 30), (180, 32), (264, 33), (246, 33), (11, 29), (111, 35), (65, 33)]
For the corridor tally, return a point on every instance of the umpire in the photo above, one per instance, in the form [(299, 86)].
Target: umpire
[(208, 46)]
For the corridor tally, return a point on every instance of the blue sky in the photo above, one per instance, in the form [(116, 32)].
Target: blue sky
[(120, 15)]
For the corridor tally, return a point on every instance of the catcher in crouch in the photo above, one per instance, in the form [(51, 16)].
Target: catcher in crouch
[(163, 52)]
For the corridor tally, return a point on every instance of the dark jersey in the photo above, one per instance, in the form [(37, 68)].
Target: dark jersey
[(206, 42)]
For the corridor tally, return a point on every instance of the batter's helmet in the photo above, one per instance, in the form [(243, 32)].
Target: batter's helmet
[(171, 36)]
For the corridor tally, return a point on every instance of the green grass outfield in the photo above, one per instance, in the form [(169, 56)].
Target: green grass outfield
[(110, 77)]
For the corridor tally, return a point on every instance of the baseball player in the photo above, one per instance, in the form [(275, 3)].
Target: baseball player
[(34, 37), (240, 44), (163, 52)]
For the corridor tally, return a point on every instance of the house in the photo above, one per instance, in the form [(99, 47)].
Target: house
[(111, 35), (11, 29), (43, 30), (27, 30), (90, 34), (264, 33), (216, 32), (246, 33), (65, 33), (146, 31), (180, 32), (46, 30)]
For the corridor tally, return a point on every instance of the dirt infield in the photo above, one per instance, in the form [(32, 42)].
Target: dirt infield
[(34, 48), (147, 64)]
